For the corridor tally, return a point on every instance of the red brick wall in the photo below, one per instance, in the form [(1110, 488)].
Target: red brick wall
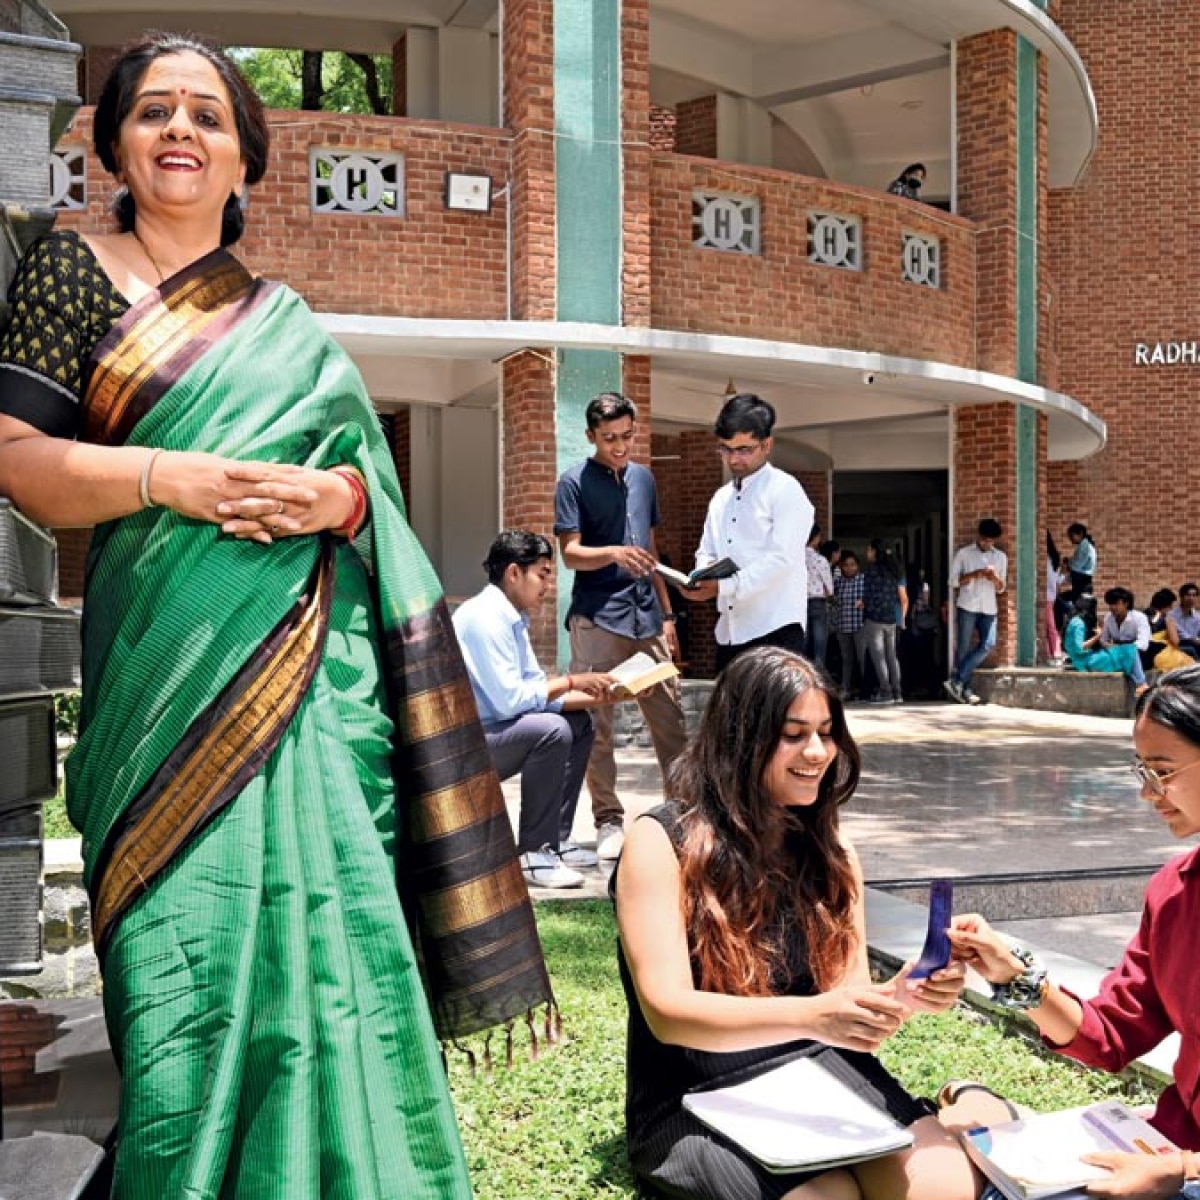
[(402, 451), (662, 127), (431, 263), (528, 65), (779, 294), (816, 485), (985, 466), (528, 454), (1123, 256), (696, 127), (635, 164), (24, 1030), (700, 474)]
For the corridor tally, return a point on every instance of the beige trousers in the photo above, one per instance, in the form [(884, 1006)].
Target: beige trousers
[(595, 649)]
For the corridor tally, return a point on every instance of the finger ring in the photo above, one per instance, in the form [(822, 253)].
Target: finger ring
[(274, 529), (279, 510)]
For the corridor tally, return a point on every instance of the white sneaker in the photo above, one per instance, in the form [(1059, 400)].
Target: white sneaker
[(970, 697), (610, 841), (954, 690), (575, 855), (543, 868)]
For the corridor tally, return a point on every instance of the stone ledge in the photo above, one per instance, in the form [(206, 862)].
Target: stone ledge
[(1096, 694)]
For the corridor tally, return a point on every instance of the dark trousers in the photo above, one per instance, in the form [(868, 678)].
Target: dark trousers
[(786, 637), (551, 751)]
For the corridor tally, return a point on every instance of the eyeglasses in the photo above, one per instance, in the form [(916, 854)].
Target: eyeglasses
[(739, 451), (1156, 781)]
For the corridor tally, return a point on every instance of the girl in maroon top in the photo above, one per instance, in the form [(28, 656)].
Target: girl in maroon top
[(1155, 989)]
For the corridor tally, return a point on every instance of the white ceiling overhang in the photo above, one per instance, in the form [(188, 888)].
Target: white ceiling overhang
[(815, 389), (781, 53)]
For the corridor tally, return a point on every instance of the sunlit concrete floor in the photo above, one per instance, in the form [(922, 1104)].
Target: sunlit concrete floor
[(950, 790)]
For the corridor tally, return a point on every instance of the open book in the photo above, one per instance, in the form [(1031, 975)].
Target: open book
[(638, 673), (798, 1117), (722, 569), (1038, 1156)]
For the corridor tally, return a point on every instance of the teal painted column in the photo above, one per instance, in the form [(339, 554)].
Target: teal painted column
[(1028, 543), (587, 165)]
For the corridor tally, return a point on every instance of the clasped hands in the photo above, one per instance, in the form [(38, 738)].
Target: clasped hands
[(862, 1016), (252, 501)]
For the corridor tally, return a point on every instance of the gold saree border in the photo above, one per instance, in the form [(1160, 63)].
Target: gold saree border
[(225, 746), (150, 349)]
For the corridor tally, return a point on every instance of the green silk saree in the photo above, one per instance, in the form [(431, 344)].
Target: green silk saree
[(300, 865)]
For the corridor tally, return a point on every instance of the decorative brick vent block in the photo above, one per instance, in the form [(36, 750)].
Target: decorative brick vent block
[(724, 222), (356, 181), (835, 241), (922, 258), (68, 178)]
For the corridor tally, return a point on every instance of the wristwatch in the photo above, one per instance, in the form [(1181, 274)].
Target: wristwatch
[(1028, 989), (668, 617)]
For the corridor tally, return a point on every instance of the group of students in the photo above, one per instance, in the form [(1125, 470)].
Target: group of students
[(1162, 638), (866, 607)]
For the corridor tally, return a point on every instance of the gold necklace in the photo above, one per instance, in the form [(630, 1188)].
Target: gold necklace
[(150, 257)]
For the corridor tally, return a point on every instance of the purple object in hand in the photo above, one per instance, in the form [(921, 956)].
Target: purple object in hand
[(935, 954)]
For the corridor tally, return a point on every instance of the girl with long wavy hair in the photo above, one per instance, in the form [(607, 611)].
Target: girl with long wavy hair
[(742, 945)]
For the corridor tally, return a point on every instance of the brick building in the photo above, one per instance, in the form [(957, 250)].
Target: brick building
[(686, 194)]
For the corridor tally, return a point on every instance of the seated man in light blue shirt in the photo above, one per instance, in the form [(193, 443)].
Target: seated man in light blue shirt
[(534, 724)]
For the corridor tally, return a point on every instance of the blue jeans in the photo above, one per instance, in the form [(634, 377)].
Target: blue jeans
[(967, 656)]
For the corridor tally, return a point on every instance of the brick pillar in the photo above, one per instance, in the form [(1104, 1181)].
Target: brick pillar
[(402, 449), (528, 455), (635, 165), (528, 51), (816, 485), (696, 127), (700, 474), (999, 450)]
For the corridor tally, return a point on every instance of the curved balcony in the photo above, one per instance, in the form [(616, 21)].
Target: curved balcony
[(825, 266)]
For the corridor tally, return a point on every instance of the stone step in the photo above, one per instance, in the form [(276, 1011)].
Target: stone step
[(1096, 694), (1037, 895)]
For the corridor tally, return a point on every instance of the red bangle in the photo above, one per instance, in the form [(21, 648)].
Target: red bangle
[(354, 521)]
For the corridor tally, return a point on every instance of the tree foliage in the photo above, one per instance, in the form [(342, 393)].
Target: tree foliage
[(328, 80)]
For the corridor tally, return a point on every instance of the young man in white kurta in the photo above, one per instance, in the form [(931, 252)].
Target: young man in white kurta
[(761, 519)]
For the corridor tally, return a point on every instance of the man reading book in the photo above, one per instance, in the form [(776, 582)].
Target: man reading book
[(534, 724), (761, 519)]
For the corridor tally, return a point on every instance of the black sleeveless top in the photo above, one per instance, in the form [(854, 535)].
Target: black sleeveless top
[(658, 1075)]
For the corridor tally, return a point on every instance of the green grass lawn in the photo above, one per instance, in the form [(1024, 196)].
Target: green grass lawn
[(554, 1128)]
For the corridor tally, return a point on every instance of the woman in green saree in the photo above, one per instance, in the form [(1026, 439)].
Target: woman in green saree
[(280, 779)]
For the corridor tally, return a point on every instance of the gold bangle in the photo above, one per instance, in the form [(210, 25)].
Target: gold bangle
[(144, 481)]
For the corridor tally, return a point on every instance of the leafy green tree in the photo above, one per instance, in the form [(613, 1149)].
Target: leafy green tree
[(329, 80)]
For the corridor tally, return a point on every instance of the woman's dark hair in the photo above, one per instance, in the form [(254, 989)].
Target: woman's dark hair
[(120, 90), (1085, 608), (1174, 703), (828, 549), (1052, 551), (1080, 529), (515, 546), (741, 890), (886, 559), (1161, 599)]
